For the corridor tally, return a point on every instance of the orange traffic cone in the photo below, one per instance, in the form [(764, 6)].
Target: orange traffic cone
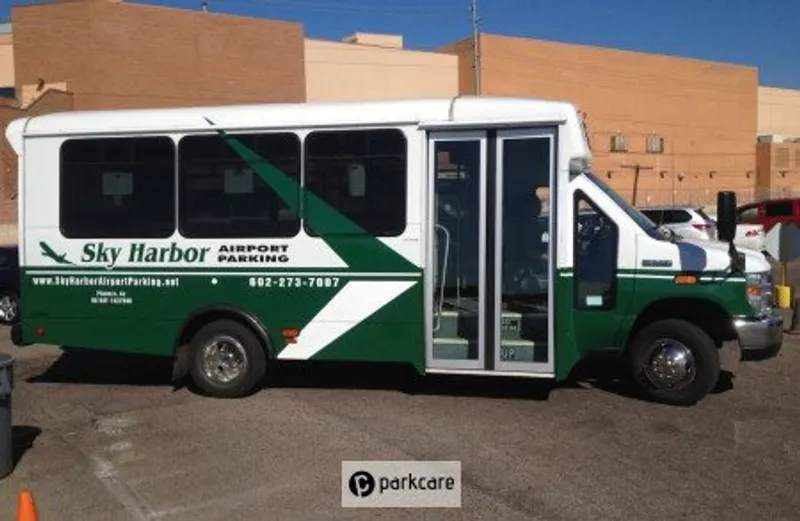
[(26, 508)]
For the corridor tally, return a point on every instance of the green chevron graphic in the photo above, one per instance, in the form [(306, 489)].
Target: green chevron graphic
[(359, 250)]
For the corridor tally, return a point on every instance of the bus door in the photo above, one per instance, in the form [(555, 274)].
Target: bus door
[(489, 277)]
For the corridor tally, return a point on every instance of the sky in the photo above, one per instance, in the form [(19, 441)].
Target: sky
[(761, 33)]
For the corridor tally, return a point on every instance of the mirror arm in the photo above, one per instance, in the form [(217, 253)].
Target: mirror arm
[(727, 219), (737, 259)]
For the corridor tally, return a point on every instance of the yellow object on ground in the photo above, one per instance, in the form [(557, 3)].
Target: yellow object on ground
[(783, 295)]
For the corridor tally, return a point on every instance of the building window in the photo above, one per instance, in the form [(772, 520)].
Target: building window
[(619, 143), (655, 144), (117, 188), (221, 196), (362, 174)]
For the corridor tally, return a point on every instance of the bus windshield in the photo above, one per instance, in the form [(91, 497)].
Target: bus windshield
[(638, 217)]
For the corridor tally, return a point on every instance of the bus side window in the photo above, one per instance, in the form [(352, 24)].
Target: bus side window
[(221, 195), (361, 173), (596, 243), (120, 188)]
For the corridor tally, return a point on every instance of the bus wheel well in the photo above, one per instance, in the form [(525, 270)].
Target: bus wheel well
[(206, 316), (705, 314)]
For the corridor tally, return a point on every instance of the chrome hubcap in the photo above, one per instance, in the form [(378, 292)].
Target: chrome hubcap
[(8, 309), (224, 359), (671, 365)]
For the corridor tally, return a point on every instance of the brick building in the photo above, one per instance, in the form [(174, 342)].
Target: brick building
[(111, 54), (689, 125), (778, 167), (663, 129), (778, 149), (97, 54), (375, 66), (778, 111)]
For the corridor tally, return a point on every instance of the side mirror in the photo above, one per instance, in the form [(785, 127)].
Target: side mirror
[(726, 216)]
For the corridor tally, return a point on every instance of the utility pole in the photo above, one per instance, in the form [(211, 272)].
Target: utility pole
[(636, 168), (476, 52)]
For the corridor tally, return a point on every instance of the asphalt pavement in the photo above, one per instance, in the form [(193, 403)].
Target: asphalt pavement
[(103, 437), (106, 437)]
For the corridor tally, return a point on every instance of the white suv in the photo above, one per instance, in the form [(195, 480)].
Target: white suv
[(690, 222)]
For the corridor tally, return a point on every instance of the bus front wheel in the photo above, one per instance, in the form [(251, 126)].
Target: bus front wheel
[(227, 359), (674, 362)]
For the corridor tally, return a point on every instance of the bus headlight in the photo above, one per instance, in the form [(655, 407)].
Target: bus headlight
[(759, 292)]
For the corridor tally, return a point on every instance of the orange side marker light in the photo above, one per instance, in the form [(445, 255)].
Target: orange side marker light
[(686, 279), (290, 335)]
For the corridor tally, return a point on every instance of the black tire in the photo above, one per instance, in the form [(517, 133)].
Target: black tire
[(9, 307), (703, 351), (244, 344)]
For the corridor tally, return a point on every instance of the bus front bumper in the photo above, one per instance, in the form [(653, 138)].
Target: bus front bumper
[(759, 337)]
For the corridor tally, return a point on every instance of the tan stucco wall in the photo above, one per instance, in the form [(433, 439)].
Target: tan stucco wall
[(778, 167), (337, 71), (6, 61), (779, 111)]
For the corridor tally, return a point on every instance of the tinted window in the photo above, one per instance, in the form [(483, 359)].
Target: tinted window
[(676, 216), (667, 216), (703, 214), (9, 258), (748, 214), (360, 173), (118, 187), (222, 196), (641, 220), (781, 209), (657, 216), (595, 256)]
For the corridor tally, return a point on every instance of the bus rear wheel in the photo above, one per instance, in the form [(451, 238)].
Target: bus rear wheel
[(227, 360), (674, 362)]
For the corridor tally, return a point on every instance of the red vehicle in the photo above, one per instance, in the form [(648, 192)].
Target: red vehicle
[(771, 212)]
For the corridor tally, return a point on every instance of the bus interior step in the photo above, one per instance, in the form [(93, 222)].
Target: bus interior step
[(513, 326)]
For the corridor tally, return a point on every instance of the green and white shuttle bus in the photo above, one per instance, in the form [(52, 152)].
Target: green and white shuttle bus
[(462, 236)]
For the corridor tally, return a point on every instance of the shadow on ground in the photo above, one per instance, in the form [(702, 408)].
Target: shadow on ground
[(106, 368), (402, 378), (89, 367), (22, 437), (606, 372)]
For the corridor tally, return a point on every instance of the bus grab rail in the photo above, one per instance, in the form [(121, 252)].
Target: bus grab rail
[(440, 304)]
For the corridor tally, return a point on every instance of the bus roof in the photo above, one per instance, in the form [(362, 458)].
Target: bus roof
[(445, 111)]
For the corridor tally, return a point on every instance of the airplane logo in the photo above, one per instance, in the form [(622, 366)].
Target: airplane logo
[(48, 252)]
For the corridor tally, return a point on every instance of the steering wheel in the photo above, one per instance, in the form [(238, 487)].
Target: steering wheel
[(590, 231)]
